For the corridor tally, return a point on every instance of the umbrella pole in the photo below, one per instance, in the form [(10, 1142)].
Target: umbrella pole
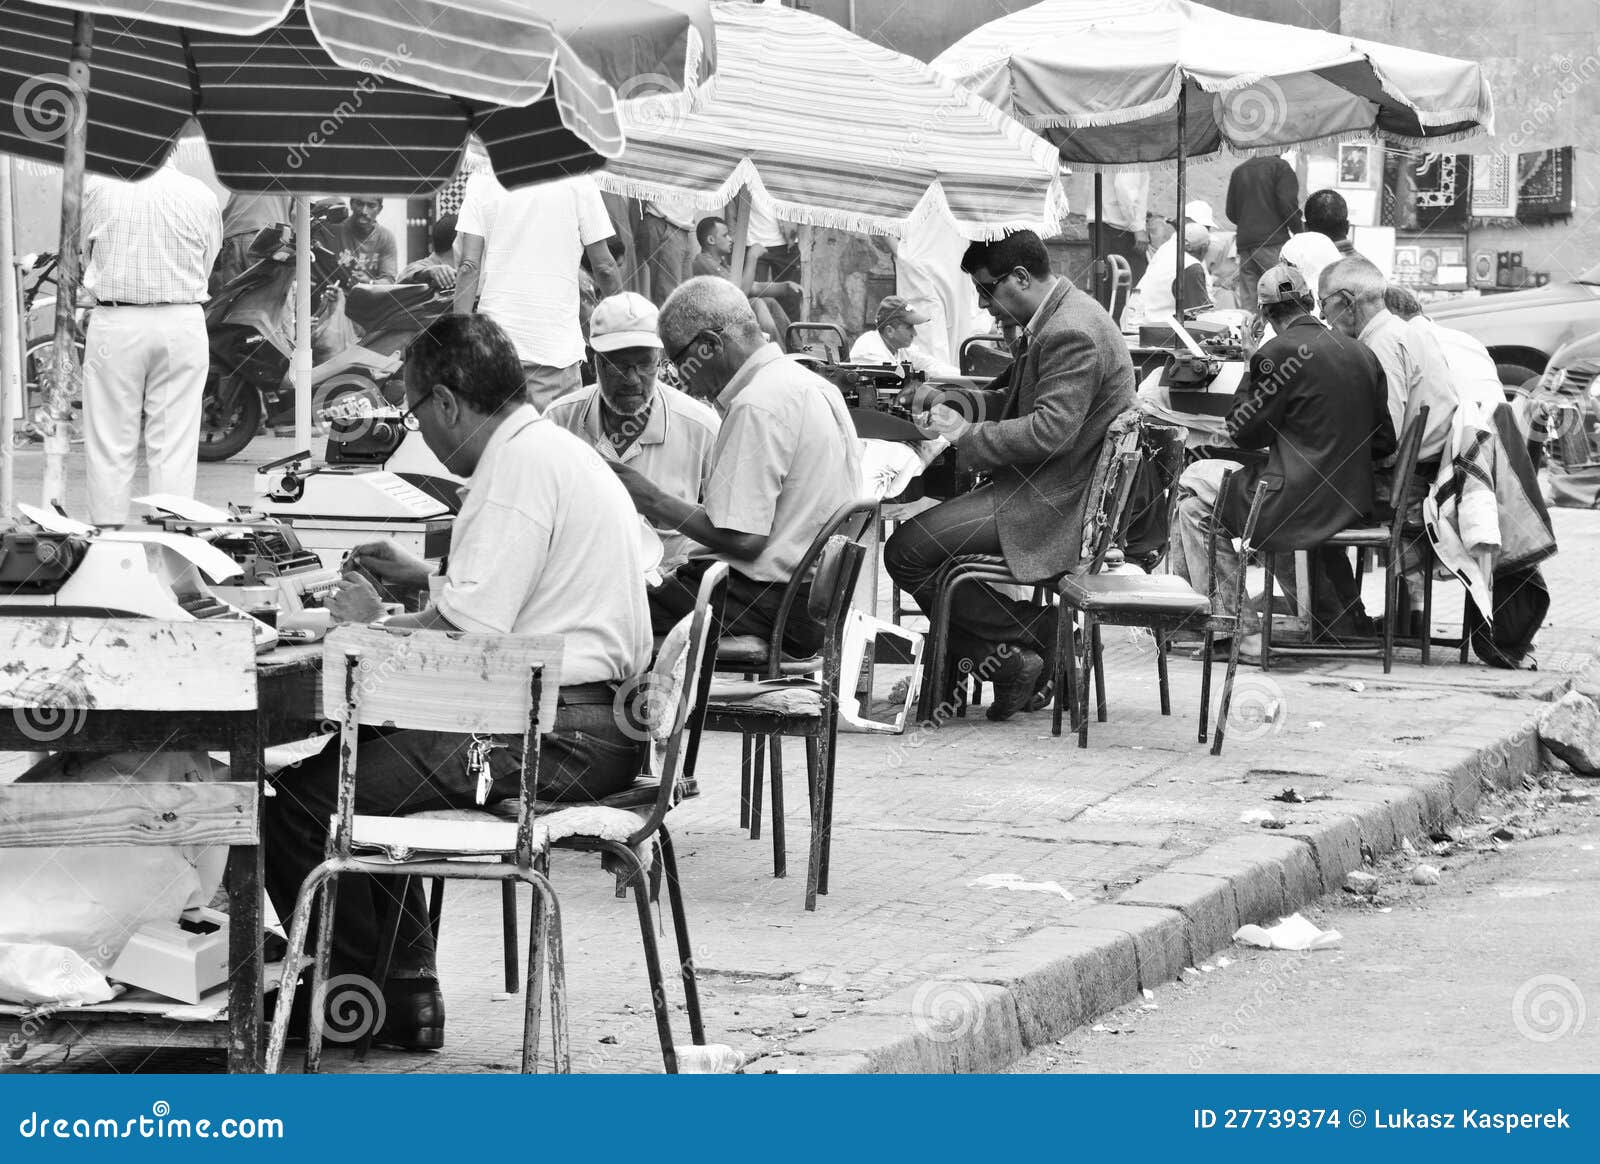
[(1097, 244), (64, 375), (301, 365), (11, 343), (1183, 194)]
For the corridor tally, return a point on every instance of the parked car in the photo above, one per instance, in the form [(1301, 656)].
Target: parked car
[(1567, 423), (1523, 329)]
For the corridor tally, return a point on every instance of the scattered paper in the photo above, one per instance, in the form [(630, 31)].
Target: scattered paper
[(1015, 883), (185, 507), (55, 522), (1255, 816), (1292, 933)]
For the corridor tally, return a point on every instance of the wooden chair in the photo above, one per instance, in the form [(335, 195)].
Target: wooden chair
[(1388, 539), (758, 658), (624, 825), (983, 355), (831, 347), (838, 568), (447, 682), (115, 685)]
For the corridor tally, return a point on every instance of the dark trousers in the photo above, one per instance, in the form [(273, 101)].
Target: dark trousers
[(587, 756), (1116, 241), (752, 607), (1335, 592), (980, 616)]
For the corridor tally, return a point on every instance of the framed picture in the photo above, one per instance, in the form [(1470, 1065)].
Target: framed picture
[(1355, 164)]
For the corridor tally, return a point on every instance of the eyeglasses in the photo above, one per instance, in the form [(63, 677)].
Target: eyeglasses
[(408, 414), (643, 370), (1327, 302), (701, 339), (986, 290)]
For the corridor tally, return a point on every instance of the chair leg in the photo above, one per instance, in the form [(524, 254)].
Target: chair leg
[(758, 773), (546, 962), (1468, 609), (1062, 663), (827, 804), (819, 817), (811, 770), (1206, 653), (1227, 690), (508, 926), (1085, 678), (436, 908), (680, 929), (1161, 672), (294, 964), (652, 954), (744, 782), (1391, 609), (780, 864), (319, 976), (1266, 622), (1099, 675), (1427, 610)]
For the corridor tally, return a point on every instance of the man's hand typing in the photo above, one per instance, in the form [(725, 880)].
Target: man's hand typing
[(392, 565), (355, 600)]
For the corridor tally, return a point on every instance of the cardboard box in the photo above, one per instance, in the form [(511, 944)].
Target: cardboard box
[(183, 959)]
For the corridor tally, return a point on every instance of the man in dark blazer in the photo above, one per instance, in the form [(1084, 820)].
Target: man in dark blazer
[(1036, 432), (1317, 402)]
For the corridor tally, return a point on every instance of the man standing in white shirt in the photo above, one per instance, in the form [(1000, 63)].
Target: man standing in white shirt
[(893, 341), (1125, 204), (666, 244), (528, 244), (149, 249)]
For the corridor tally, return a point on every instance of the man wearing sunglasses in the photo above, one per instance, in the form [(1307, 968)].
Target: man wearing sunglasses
[(545, 543), (786, 458), (1036, 432)]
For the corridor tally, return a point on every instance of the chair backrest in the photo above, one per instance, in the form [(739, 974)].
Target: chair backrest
[(851, 521), (1109, 489), (443, 681), (983, 355), (686, 715), (1405, 465), (1113, 280), (838, 570), (832, 342)]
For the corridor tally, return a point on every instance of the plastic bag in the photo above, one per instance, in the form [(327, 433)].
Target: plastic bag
[(33, 974)]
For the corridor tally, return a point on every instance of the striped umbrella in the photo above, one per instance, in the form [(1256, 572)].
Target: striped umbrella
[(826, 128), (316, 96), (312, 96)]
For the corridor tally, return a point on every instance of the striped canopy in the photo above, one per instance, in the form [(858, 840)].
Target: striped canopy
[(829, 129), (326, 96), (1100, 79)]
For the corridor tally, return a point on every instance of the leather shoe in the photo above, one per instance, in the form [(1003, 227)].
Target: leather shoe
[(413, 1017), (1014, 683)]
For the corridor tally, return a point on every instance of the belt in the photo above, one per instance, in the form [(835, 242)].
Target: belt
[(578, 694), (120, 303)]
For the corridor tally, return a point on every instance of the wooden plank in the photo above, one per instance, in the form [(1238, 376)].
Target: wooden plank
[(444, 681), (120, 731), (104, 1030), (55, 667), (51, 815)]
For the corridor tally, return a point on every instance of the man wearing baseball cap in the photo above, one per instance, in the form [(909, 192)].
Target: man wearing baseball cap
[(1318, 403), (630, 416), (893, 339)]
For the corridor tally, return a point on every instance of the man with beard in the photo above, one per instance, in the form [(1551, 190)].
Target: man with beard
[(366, 246), (632, 418)]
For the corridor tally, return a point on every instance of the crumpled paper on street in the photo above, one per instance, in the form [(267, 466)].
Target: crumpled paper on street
[(1292, 933), (1015, 883)]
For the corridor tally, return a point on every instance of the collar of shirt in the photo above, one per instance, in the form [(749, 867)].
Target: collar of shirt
[(655, 425), (1048, 307), (766, 354), (516, 420), (1376, 324)]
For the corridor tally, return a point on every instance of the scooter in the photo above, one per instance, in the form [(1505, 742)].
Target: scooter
[(250, 328)]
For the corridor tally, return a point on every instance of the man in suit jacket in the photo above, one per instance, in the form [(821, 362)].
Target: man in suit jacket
[(1318, 403), (1037, 433)]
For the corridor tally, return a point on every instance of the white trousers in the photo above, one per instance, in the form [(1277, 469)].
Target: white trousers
[(142, 366)]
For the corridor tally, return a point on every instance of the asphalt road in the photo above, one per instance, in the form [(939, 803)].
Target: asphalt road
[(1497, 968)]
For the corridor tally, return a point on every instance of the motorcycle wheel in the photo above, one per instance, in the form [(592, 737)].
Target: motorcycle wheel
[(223, 436)]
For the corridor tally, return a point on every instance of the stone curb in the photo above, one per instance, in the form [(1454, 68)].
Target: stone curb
[(991, 1011)]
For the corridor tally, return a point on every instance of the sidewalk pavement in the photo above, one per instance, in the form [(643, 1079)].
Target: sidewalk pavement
[(992, 886)]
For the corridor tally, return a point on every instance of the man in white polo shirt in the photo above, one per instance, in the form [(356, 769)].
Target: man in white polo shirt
[(632, 417), (786, 458), (529, 243), (546, 543), (894, 341)]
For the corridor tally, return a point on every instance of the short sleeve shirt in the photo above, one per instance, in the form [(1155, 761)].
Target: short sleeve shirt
[(548, 542), (786, 458)]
